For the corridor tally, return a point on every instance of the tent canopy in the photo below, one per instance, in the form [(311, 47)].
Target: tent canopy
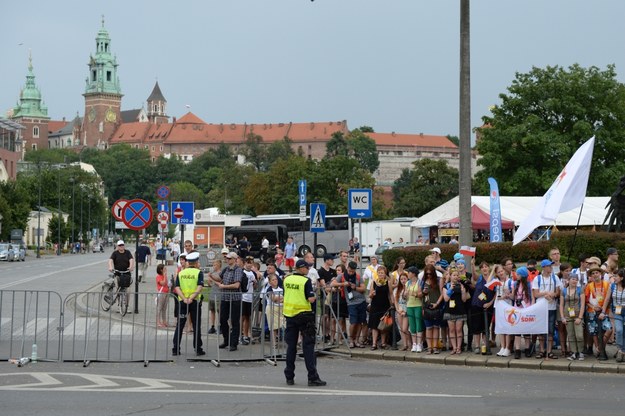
[(480, 220), (517, 208)]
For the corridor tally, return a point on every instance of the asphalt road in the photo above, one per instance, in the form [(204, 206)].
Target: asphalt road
[(354, 388)]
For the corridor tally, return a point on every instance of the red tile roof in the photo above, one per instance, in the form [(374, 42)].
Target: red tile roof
[(421, 140), (56, 125), (130, 133)]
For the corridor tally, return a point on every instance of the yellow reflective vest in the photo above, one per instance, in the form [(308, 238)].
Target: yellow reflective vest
[(188, 280), (295, 300)]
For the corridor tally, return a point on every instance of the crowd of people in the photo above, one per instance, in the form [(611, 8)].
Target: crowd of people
[(440, 306)]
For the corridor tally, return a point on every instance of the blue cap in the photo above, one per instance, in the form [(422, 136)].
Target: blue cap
[(461, 261), (458, 256), (301, 263), (546, 263), (522, 272)]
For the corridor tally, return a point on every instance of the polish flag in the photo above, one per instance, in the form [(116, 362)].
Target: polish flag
[(493, 284), (467, 251)]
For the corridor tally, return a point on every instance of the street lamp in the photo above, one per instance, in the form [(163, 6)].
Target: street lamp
[(81, 198), (39, 212), (73, 181), (58, 253)]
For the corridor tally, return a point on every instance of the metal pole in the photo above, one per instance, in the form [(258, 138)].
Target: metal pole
[(81, 235), (136, 274), (360, 239), (39, 214), (464, 179), (73, 209), (58, 253)]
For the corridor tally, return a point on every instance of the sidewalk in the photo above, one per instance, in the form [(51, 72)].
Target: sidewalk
[(471, 359)]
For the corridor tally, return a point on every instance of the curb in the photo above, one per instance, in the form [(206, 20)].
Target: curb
[(474, 360)]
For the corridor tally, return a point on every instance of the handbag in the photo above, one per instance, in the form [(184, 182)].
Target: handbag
[(431, 314), (386, 322)]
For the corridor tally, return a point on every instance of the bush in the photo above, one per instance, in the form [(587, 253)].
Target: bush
[(591, 243)]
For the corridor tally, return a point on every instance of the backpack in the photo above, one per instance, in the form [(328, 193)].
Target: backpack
[(244, 283)]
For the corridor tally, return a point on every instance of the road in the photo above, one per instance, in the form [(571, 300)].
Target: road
[(355, 386)]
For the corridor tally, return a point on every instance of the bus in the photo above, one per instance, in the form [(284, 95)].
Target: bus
[(336, 237)]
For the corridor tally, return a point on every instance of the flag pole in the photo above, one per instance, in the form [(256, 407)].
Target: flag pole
[(570, 252)]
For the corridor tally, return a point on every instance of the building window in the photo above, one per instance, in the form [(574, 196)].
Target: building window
[(93, 75), (153, 148), (34, 145), (161, 148), (36, 132), (108, 76)]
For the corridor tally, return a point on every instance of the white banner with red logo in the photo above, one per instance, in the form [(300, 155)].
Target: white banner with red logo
[(512, 320)]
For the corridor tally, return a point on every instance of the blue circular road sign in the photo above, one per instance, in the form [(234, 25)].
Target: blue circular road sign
[(137, 214)]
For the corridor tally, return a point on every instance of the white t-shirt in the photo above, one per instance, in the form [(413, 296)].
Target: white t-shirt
[(313, 275), (251, 279), (548, 284)]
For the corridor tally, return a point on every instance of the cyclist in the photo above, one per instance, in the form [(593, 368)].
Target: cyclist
[(121, 260)]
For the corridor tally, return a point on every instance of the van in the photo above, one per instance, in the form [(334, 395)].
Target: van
[(276, 234)]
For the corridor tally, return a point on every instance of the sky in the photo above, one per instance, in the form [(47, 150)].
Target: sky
[(389, 64)]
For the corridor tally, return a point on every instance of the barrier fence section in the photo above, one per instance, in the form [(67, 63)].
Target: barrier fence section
[(31, 323), (83, 327)]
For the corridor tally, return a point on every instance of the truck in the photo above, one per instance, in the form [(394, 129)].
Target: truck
[(374, 233)]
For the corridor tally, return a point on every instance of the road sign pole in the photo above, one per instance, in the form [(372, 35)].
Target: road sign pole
[(360, 242), (137, 274), (314, 249), (181, 236)]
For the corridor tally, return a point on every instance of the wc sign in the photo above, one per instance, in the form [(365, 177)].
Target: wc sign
[(359, 204)]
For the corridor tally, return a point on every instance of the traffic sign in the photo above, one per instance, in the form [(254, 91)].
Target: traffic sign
[(317, 218), (359, 203), (162, 206), (137, 214), (302, 212), (162, 225), (162, 216), (182, 212), (301, 188), (162, 192), (117, 208)]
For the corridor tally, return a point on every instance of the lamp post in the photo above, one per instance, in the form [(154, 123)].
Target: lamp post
[(73, 181), (58, 252), (89, 217), (39, 213), (81, 198)]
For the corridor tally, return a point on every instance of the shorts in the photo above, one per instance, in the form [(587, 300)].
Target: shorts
[(357, 313), (289, 262), (593, 324), (340, 309), (246, 308)]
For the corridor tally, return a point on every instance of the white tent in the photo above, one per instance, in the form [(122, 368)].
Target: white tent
[(517, 208)]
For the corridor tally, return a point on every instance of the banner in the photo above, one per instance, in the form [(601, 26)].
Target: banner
[(495, 212), (512, 320), (566, 193)]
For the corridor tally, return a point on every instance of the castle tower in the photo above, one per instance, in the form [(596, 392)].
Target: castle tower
[(31, 113), (103, 95), (157, 106)]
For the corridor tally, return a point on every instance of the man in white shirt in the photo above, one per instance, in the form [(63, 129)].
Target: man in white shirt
[(548, 286)]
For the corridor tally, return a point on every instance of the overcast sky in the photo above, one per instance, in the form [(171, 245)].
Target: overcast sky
[(389, 64)]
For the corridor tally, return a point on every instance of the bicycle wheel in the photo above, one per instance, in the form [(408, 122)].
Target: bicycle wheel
[(123, 303), (107, 299)]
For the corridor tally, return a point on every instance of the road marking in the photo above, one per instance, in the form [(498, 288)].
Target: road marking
[(106, 383), (39, 276)]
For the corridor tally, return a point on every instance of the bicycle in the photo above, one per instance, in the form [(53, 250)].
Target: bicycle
[(122, 280)]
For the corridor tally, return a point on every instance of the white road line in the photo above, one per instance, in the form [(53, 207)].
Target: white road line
[(45, 379), (39, 276), (157, 386)]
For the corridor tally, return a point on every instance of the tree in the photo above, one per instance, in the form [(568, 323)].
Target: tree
[(546, 115), (357, 145), (454, 139), (255, 152), (337, 145), (15, 205), (279, 150), (426, 186)]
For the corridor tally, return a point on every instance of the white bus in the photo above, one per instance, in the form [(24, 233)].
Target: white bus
[(334, 239)]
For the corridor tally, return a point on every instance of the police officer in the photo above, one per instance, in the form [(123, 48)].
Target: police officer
[(298, 297), (188, 287)]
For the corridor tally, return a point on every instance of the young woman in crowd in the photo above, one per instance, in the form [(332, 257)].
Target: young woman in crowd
[(400, 297), (339, 306), (565, 272), (415, 309), (381, 301), (616, 301), (432, 307), (521, 298), (572, 306), (162, 287), (455, 295), (481, 307), (398, 269)]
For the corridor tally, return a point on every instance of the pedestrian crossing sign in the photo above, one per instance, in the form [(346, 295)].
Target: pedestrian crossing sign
[(317, 218)]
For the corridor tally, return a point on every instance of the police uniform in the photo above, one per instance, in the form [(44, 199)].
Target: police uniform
[(190, 282), (300, 319)]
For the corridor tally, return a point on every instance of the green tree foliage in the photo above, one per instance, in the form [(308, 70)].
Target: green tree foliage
[(187, 191), (542, 120), (355, 144), (53, 230), (427, 185), (14, 208), (255, 152), (279, 150), (454, 139)]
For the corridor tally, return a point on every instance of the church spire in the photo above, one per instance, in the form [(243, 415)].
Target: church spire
[(103, 66), (30, 102), (157, 106)]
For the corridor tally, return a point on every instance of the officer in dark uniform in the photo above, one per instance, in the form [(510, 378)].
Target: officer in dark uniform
[(188, 287), (298, 297)]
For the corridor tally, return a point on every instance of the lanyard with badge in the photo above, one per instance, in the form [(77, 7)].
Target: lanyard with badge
[(618, 305), (572, 301)]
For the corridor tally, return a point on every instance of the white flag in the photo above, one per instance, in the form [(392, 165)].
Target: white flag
[(566, 193)]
